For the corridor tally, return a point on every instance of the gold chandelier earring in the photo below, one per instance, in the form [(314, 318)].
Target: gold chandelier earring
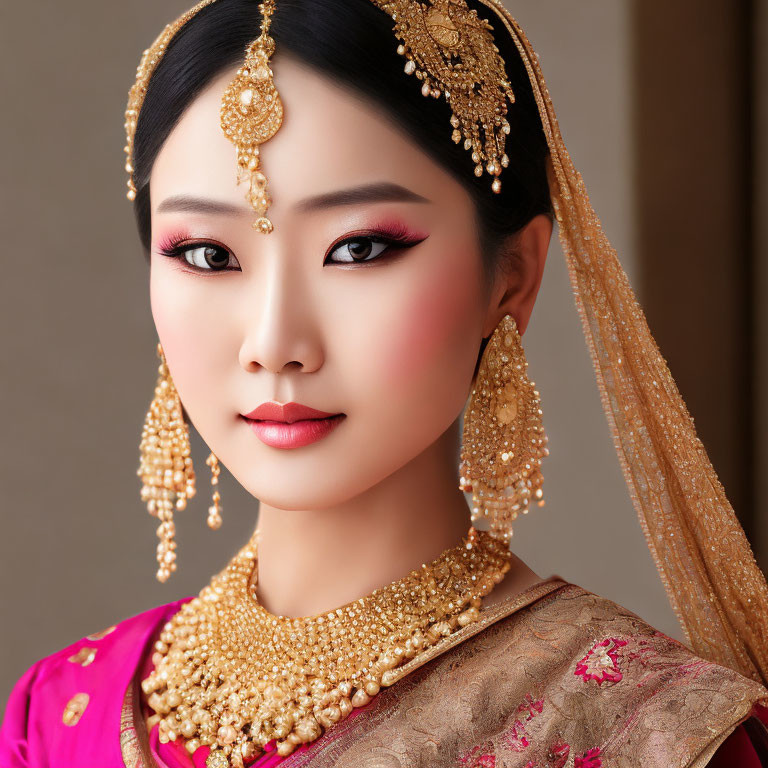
[(214, 511), (503, 440), (166, 470)]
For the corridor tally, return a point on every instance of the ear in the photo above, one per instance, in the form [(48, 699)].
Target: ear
[(518, 277)]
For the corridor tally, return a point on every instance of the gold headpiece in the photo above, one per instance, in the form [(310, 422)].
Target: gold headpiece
[(446, 45)]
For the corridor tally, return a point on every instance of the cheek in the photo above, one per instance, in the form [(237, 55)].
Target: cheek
[(426, 351), (169, 311), (187, 329)]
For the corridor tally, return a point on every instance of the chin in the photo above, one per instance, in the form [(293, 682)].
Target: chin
[(318, 488)]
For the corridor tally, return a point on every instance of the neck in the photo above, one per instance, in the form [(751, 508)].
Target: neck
[(311, 561)]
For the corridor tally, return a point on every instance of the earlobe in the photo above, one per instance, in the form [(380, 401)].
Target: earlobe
[(517, 285)]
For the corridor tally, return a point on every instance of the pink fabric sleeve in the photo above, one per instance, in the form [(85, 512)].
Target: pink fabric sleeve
[(86, 680), (14, 732)]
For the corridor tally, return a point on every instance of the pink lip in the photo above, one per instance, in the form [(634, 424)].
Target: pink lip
[(288, 412), (291, 425)]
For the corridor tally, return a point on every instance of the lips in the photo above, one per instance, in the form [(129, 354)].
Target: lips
[(291, 425), (288, 412)]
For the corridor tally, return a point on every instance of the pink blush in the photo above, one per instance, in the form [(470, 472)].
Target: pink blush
[(425, 329)]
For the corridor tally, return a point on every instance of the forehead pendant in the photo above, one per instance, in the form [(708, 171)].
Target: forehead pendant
[(252, 113)]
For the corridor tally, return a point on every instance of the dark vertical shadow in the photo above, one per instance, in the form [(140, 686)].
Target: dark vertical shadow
[(692, 85)]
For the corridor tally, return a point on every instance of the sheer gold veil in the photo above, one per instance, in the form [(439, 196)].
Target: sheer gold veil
[(713, 582), (718, 592)]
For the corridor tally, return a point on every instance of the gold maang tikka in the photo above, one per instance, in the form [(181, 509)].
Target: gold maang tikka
[(504, 440), (252, 113), (251, 109)]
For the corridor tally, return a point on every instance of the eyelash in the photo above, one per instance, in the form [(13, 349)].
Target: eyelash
[(396, 236)]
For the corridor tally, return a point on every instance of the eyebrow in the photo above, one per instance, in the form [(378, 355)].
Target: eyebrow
[(379, 192)]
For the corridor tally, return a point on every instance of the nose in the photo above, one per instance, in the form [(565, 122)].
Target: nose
[(281, 330)]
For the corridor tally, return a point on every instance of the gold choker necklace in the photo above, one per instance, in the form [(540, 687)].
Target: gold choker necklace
[(231, 675)]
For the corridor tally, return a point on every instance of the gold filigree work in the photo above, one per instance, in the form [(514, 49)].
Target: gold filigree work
[(252, 113), (149, 61), (503, 443), (451, 50)]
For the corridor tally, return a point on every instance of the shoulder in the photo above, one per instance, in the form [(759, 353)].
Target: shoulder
[(570, 680), (66, 706), (612, 686)]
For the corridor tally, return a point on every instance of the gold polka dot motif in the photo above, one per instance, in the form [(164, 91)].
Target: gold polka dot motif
[(83, 657), (102, 633), (74, 709), (231, 675)]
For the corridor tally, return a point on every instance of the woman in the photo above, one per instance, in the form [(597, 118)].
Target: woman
[(377, 270)]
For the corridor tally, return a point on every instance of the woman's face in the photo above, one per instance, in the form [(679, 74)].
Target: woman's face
[(244, 318)]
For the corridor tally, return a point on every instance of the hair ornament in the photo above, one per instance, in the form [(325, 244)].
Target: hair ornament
[(149, 61), (451, 50), (446, 45)]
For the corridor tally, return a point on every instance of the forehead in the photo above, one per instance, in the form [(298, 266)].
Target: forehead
[(330, 138)]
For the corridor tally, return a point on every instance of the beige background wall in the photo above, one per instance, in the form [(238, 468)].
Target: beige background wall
[(78, 365)]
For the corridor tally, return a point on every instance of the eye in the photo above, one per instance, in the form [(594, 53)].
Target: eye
[(357, 249), (205, 257)]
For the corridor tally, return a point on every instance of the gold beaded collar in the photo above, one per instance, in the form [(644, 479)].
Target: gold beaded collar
[(231, 675)]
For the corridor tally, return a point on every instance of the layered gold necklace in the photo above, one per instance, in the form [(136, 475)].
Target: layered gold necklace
[(231, 675)]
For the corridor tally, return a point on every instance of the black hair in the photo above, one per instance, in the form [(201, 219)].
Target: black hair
[(353, 42)]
